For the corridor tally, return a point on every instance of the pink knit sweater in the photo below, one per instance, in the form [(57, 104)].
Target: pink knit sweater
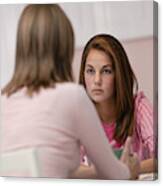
[(57, 121)]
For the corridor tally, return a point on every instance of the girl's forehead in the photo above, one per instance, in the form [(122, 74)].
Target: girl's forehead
[(97, 57)]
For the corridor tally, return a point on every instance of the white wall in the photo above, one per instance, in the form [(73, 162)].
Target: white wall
[(140, 53), (124, 19), (9, 15), (127, 20)]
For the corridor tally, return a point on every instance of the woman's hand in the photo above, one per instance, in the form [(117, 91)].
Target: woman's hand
[(131, 159)]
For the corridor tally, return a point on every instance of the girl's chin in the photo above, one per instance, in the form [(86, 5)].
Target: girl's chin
[(98, 99)]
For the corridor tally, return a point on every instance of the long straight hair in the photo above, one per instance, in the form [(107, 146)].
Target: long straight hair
[(44, 50), (124, 82)]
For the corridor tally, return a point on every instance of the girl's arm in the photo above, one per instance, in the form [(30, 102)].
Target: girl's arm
[(149, 165), (147, 132), (85, 172)]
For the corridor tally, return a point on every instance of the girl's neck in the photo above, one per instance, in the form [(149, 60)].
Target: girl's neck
[(106, 111)]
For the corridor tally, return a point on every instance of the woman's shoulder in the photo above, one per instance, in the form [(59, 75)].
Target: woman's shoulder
[(72, 95), (3, 98), (15, 95), (70, 87), (67, 91)]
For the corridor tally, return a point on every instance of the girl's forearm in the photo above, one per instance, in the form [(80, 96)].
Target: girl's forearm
[(149, 165), (85, 172)]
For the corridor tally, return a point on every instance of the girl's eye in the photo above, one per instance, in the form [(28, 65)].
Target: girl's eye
[(107, 71), (89, 71)]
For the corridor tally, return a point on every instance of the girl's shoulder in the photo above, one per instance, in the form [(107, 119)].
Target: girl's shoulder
[(139, 96), (143, 110), (142, 103)]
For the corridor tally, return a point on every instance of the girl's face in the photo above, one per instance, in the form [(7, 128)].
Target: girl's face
[(99, 76)]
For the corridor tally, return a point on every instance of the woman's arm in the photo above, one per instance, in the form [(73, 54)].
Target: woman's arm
[(90, 133), (89, 172)]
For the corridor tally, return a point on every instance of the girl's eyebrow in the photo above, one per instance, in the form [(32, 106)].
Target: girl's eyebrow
[(88, 65), (108, 65), (105, 66)]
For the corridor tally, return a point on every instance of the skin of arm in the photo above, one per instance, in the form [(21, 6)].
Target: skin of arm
[(85, 172), (148, 165)]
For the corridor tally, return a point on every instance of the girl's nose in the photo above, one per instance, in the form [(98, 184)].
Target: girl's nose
[(97, 79)]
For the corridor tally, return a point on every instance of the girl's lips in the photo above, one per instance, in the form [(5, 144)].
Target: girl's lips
[(97, 90)]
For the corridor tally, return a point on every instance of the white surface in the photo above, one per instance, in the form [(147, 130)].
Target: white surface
[(19, 161), (147, 177)]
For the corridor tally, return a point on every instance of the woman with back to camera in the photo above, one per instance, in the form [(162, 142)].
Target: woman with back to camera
[(112, 86), (44, 109)]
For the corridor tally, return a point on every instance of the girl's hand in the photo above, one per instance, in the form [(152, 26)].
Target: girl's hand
[(131, 159)]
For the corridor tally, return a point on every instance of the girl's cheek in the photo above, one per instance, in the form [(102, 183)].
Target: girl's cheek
[(88, 82)]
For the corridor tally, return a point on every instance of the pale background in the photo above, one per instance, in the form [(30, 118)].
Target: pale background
[(130, 21), (50, 182)]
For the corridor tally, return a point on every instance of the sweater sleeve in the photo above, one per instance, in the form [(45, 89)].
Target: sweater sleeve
[(144, 119), (91, 135)]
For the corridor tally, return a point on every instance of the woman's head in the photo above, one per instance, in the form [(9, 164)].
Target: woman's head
[(117, 77), (44, 51)]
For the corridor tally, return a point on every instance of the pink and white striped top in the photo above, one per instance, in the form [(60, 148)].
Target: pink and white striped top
[(144, 137)]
